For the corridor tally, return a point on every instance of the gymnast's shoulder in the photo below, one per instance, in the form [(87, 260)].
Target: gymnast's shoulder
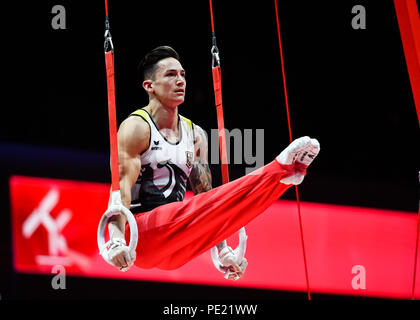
[(134, 133)]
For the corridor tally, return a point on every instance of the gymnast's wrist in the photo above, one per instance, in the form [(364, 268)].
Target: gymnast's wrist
[(221, 245)]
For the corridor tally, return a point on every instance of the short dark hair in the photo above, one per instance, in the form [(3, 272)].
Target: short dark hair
[(147, 65)]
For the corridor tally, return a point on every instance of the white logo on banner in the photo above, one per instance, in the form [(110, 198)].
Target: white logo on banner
[(58, 251)]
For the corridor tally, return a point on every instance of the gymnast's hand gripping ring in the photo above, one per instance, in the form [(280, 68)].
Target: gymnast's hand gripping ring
[(117, 208), (240, 250)]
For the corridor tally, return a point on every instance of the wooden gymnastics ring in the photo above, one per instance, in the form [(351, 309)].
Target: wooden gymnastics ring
[(241, 249), (117, 208)]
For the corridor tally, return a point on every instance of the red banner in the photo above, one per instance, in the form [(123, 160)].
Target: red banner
[(350, 250)]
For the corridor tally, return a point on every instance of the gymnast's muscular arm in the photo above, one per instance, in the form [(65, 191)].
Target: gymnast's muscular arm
[(133, 138), (200, 176)]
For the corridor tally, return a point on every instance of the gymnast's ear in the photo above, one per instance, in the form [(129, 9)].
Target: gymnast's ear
[(148, 86)]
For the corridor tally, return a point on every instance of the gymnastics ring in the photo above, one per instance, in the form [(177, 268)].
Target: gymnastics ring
[(117, 208), (241, 249)]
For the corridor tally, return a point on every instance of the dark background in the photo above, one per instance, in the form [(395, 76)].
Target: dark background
[(348, 88)]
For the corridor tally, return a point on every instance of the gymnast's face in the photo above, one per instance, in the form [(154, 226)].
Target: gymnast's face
[(168, 83)]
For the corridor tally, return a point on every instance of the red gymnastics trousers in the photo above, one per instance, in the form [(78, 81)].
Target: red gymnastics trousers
[(173, 234)]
